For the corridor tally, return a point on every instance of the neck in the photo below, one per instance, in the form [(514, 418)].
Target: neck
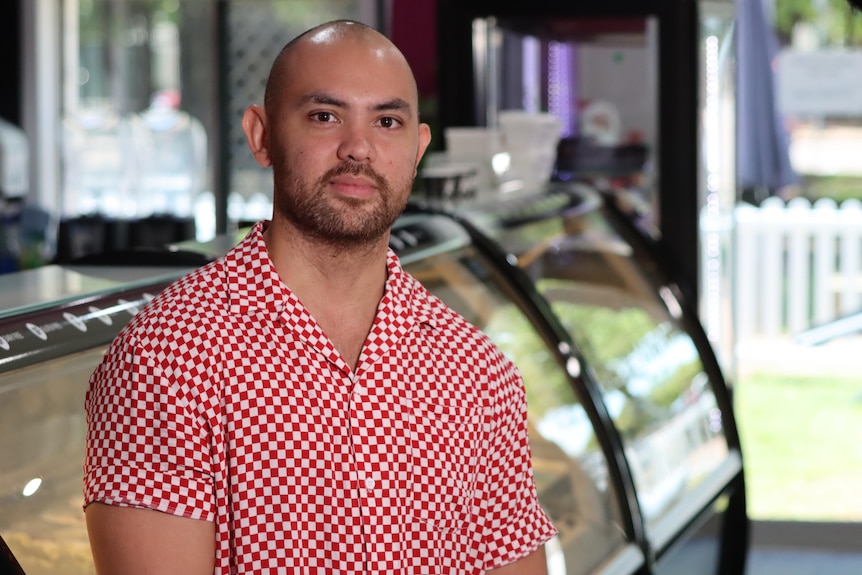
[(302, 261), (340, 288)]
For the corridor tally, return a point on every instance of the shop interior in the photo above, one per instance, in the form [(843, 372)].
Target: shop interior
[(577, 204)]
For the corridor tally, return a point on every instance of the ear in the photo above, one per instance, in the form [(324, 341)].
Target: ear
[(254, 126), (424, 140)]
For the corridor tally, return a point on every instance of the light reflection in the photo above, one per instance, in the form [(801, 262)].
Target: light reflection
[(556, 559), (32, 486), (569, 427), (573, 367), (501, 162), (673, 305)]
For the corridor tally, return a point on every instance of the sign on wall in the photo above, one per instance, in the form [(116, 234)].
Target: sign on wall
[(819, 83)]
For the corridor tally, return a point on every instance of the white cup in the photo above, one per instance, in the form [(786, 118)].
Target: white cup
[(529, 129), (531, 140), (477, 146)]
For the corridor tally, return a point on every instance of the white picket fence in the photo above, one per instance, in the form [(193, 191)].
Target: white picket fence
[(796, 265)]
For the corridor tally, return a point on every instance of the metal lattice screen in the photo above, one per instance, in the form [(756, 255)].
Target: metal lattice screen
[(257, 30)]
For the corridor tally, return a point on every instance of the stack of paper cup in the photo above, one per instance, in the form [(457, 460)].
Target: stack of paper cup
[(531, 140)]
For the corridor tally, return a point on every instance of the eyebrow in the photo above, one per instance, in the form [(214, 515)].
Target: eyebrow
[(395, 104)]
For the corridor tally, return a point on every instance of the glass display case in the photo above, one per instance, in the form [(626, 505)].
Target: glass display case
[(54, 326), (656, 371), (632, 441)]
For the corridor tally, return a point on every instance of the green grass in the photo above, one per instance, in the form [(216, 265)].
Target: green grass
[(802, 446)]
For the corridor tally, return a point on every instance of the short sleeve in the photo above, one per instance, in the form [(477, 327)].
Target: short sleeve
[(145, 446), (516, 525)]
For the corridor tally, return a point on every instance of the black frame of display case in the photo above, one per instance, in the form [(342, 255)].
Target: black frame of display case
[(736, 528), (121, 302)]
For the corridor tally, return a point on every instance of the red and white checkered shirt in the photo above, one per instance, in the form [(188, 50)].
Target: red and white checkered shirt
[(223, 400)]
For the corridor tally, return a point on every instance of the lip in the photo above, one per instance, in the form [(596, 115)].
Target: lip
[(354, 186)]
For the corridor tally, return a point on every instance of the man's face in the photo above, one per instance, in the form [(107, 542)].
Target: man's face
[(344, 141)]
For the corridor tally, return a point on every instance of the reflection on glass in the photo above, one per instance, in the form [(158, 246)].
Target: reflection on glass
[(649, 370), (570, 467), (99, 172), (42, 430), (656, 392), (172, 145), (134, 138)]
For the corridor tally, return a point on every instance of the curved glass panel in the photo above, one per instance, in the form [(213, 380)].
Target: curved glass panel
[(652, 379), (50, 343), (570, 468), (42, 428)]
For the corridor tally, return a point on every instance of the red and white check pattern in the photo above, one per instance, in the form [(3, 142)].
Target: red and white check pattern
[(224, 401)]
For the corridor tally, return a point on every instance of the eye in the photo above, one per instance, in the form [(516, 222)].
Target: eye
[(389, 122), (323, 117)]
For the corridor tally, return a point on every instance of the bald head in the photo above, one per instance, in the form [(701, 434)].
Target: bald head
[(340, 129), (329, 34)]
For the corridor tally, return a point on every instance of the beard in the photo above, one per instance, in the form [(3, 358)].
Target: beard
[(343, 222)]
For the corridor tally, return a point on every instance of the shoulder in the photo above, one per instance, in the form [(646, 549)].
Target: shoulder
[(191, 309), (169, 352)]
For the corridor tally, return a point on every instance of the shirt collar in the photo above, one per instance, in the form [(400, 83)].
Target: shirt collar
[(254, 285)]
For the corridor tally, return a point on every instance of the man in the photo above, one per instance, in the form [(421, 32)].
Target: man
[(303, 405)]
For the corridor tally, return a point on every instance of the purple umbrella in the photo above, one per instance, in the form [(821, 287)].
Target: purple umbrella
[(762, 140)]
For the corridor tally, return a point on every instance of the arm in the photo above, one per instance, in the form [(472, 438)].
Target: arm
[(515, 521), (533, 564), (135, 541), (147, 449)]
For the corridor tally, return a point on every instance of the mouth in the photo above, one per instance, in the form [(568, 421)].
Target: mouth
[(354, 186)]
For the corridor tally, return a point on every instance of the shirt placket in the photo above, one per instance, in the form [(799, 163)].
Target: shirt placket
[(365, 478)]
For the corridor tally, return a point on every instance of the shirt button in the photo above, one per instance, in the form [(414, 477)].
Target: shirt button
[(358, 389), (369, 484)]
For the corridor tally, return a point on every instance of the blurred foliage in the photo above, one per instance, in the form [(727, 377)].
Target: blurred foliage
[(106, 21), (304, 14), (614, 343), (836, 23), (546, 383), (839, 188), (605, 336), (788, 13)]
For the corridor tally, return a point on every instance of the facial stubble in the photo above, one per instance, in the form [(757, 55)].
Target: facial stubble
[(341, 222)]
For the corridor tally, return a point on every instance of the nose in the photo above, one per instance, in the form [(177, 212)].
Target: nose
[(357, 144)]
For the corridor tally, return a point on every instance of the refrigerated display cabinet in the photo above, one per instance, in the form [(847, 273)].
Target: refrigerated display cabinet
[(601, 273), (55, 323), (586, 436)]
